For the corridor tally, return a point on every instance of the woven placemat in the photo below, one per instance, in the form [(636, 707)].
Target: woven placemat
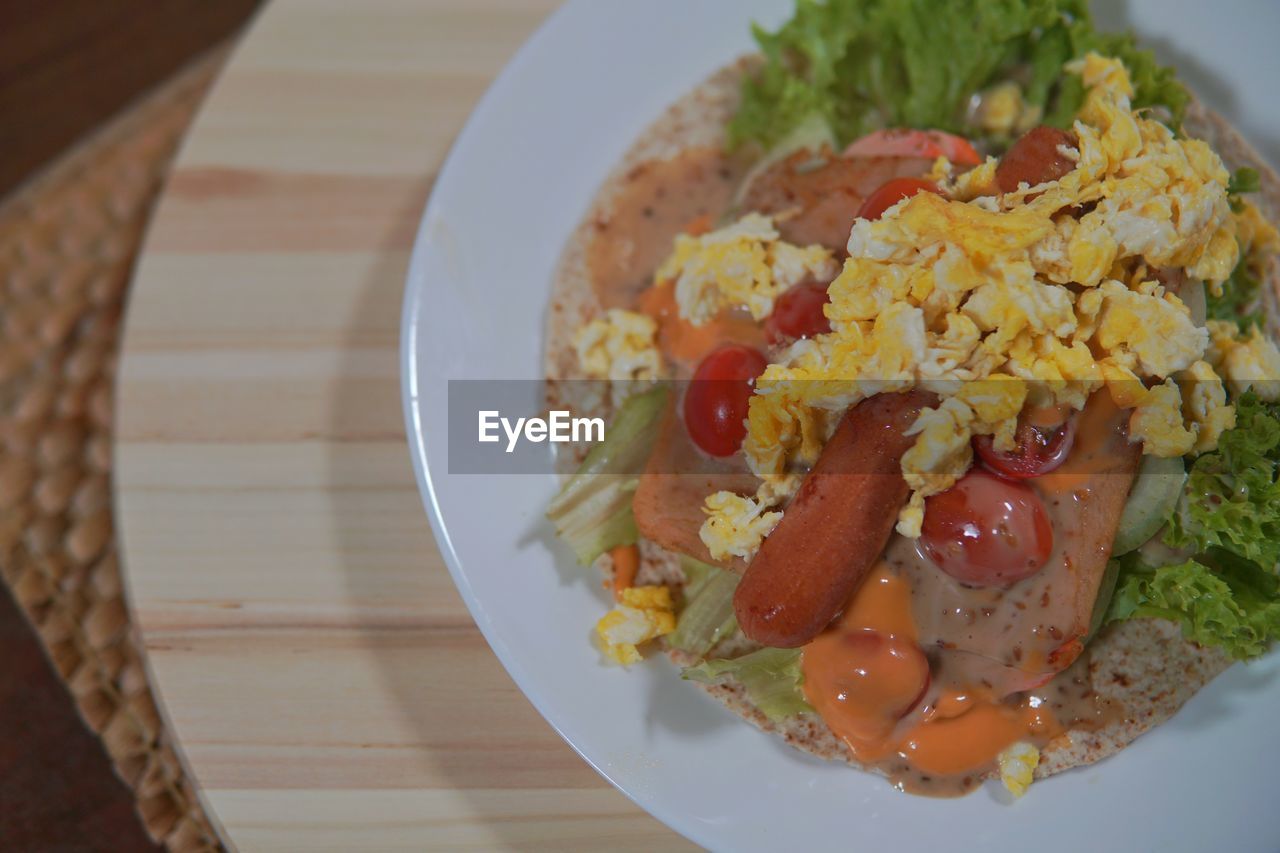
[(68, 241)]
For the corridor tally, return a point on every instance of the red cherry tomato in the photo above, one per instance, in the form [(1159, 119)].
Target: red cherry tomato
[(987, 531), (1039, 451), (891, 193), (907, 142), (715, 406), (798, 314)]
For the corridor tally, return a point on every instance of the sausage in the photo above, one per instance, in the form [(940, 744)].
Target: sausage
[(1035, 159), (836, 527), (824, 193)]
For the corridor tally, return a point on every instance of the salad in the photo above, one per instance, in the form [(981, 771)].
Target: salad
[(944, 422)]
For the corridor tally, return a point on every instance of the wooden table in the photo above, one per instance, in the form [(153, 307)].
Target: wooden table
[(320, 672)]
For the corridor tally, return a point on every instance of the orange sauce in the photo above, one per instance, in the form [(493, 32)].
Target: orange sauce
[(950, 704), (865, 673), (970, 742), (882, 603), (1047, 417), (867, 677), (1098, 443)]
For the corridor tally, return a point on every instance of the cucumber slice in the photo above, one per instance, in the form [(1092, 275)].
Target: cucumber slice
[(1152, 499), (1106, 591)]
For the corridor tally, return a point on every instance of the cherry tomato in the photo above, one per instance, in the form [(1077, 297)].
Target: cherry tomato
[(1039, 451), (798, 314), (905, 142), (715, 406), (891, 193), (987, 531)]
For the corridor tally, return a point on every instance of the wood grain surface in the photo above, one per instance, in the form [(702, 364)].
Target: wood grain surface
[(321, 673)]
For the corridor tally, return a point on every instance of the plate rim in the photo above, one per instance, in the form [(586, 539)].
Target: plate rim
[(415, 291)]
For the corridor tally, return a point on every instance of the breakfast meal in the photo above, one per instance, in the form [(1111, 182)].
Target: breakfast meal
[(935, 346)]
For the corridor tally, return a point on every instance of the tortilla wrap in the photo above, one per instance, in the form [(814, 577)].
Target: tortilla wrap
[(1144, 665)]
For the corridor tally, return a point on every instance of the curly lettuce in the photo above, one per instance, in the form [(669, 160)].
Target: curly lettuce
[(1238, 301), (1244, 180), (1232, 497), (866, 64), (1227, 594), (1219, 599)]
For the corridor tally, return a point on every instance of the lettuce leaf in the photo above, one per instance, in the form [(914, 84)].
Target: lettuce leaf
[(708, 615), (1228, 593), (1232, 497), (1219, 599), (1238, 302), (592, 513), (866, 64), (1244, 180), (772, 679)]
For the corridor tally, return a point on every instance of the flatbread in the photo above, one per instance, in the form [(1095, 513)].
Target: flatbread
[(1144, 665)]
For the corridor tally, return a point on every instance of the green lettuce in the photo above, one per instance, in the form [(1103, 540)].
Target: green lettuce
[(1219, 599), (1232, 497), (1228, 593), (708, 616), (1238, 302), (866, 64), (772, 679), (592, 513), (1244, 180)]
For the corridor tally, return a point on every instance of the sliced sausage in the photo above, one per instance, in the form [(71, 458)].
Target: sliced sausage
[(824, 193), (836, 527), (1094, 481), (1035, 159)]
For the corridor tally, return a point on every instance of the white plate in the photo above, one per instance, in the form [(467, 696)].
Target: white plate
[(518, 180)]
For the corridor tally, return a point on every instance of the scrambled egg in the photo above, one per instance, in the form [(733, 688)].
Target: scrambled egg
[(1018, 765), (1048, 293), (736, 525), (743, 264), (620, 347), (1204, 405), (646, 613), (1249, 363)]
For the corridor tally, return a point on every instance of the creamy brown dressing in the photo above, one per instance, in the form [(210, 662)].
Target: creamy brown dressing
[(1023, 631), (1069, 700), (657, 201)]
